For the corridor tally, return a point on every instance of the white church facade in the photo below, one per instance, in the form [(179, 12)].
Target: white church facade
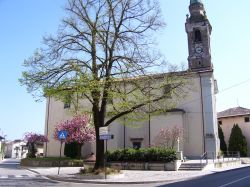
[(195, 113)]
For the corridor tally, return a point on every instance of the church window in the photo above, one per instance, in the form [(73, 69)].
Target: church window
[(136, 145), (67, 101), (109, 100), (66, 105), (136, 142), (167, 90), (247, 119), (197, 36)]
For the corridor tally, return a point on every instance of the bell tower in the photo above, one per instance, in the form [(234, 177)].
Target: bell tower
[(198, 31)]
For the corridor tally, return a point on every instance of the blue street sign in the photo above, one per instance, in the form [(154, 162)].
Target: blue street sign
[(62, 135), (106, 136)]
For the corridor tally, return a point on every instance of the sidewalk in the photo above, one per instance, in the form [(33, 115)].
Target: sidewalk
[(69, 174)]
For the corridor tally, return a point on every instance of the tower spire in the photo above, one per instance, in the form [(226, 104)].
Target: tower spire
[(198, 31), (197, 11), (195, 2)]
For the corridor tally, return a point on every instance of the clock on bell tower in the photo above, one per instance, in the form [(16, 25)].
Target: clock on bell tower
[(198, 31)]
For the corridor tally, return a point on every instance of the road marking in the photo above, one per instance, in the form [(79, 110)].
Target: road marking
[(3, 177), (234, 181), (19, 176)]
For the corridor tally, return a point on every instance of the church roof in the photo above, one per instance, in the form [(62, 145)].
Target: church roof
[(195, 1), (231, 112)]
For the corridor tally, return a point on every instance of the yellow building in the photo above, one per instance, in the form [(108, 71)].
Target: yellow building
[(237, 115), (195, 113)]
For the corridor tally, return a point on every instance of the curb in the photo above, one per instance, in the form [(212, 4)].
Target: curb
[(233, 169), (65, 179), (33, 171), (30, 170), (107, 182)]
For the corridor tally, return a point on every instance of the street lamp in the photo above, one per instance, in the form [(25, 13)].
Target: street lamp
[(2, 146)]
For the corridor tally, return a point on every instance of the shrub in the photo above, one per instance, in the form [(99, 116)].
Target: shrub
[(237, 141), (142, 155), (71, 150), (91, 171), (223, 145)]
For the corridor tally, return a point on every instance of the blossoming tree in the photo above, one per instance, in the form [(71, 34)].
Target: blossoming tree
[(33, 140), (79, 131), (168, 137)]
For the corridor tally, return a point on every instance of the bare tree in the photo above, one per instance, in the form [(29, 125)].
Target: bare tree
[(101, 46)]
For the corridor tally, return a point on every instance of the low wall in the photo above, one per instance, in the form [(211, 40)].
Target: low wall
[(154, 166), (227, 163), (1, 156), (50, 163), (245, 160)]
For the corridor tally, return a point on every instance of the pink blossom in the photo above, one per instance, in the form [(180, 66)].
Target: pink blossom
[(78, 128), (31, 137)]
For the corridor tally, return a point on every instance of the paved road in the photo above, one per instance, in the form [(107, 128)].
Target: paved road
[(231, 178), (12, 175)]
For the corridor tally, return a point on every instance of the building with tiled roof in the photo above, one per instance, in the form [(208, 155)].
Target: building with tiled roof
[(237, 115), (194, 111), (231, 112)]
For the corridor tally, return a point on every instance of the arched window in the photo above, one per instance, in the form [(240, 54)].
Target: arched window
[(197, 36)]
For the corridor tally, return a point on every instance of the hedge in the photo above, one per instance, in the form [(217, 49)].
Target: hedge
[(70, 150), (142, 155)]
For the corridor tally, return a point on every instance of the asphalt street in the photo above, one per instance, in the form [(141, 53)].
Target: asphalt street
[(12, 175), (230, 178)]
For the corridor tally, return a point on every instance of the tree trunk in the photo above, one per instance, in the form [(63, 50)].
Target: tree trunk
[(99, 122), (99, 154), (79, 150)]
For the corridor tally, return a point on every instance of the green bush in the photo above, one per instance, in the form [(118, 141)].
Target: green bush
[(237, 141), (71, 150), (223, 145), (142, 155), (32, 150)]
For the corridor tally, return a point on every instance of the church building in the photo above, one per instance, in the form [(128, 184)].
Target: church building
[(195, 113)]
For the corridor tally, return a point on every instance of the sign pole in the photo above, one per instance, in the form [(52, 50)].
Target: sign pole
[(105, 135), (105, 160), (61, 135), (60, 157)]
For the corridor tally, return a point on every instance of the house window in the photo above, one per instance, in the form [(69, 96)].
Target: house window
[(66, 105), (136, 145), (247, 119), (220, 122)]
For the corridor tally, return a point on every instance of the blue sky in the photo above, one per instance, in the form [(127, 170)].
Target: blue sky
[(24, 23)]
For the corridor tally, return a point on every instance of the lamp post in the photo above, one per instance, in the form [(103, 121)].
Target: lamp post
[(4, 146)]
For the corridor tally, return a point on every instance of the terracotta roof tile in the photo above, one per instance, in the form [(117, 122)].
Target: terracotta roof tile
[(237, 111)]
